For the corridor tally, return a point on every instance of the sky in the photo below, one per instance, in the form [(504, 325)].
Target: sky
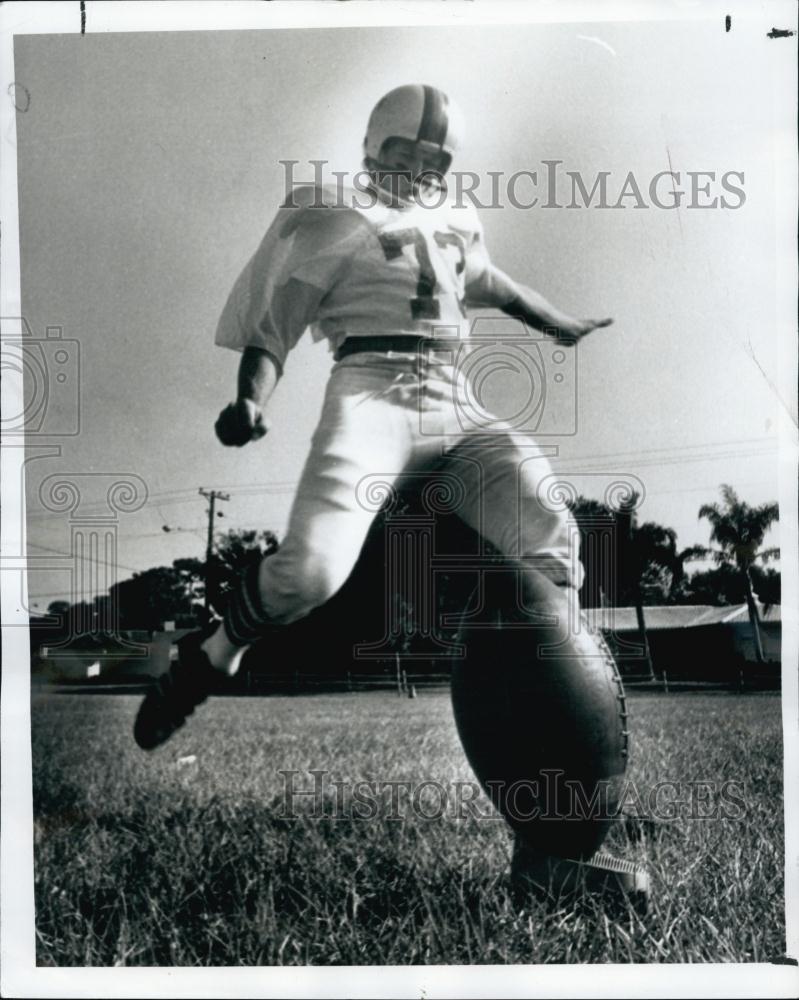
[(149, 169)]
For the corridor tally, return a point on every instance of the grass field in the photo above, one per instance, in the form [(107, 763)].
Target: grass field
[(153, 860)]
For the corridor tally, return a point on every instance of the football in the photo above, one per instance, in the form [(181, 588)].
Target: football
[(540, 709)]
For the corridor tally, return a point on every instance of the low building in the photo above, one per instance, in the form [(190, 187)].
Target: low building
[(132, 656), (697, 642)]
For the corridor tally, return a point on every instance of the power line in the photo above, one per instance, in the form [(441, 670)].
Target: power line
[(672, 456), (70, 555), (673, 450), (164, 498), (176, 500), (585, 465), (710, 486), (641, 458), (166, 530)]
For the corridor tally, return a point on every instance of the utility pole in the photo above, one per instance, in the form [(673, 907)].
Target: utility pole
[(211, 496)]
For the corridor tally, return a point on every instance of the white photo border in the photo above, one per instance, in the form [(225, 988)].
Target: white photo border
[(20, 976)]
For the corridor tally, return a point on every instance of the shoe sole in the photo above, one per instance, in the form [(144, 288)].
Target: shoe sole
[(153, 725), (562, 879)]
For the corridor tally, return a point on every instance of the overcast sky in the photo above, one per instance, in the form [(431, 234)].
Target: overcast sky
[(149, 169)]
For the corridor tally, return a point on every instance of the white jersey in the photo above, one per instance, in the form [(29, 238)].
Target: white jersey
[(355, 271)]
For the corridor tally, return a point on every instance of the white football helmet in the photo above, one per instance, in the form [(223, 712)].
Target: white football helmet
[(420, 114)]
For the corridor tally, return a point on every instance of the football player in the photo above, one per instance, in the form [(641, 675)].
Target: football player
[(386, 277)]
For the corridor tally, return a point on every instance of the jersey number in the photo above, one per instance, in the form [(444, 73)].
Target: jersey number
[(425, 305)]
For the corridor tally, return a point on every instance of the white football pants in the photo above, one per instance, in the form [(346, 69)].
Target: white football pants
[(390, 414)]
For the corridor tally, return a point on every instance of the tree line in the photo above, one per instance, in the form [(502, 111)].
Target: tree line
[(646, 561), (627, 563)]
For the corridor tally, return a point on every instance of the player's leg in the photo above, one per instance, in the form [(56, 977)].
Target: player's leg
[(501, 475), (359, 449), (362, 443)]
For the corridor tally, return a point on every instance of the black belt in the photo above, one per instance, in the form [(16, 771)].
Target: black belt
[(403, 342)]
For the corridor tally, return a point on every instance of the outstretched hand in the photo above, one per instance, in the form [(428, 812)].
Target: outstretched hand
[(240, 422), (580, 328)]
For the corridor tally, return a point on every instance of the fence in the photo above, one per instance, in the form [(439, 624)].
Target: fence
[(299, 681)]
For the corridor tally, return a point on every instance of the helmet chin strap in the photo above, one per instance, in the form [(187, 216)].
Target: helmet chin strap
[(383, 180)]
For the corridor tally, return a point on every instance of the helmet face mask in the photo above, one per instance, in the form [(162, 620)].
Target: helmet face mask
[(405, 167), (410, 140)]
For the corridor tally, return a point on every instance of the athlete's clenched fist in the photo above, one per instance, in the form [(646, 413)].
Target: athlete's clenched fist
[(240, 422)]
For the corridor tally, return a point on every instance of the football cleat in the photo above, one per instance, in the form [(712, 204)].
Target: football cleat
[(565, 880), (172, 699), (419, 114)]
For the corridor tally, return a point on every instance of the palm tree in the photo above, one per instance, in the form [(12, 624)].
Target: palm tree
[(678, 580), (645, 562), (652, 566), (738, 531)]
